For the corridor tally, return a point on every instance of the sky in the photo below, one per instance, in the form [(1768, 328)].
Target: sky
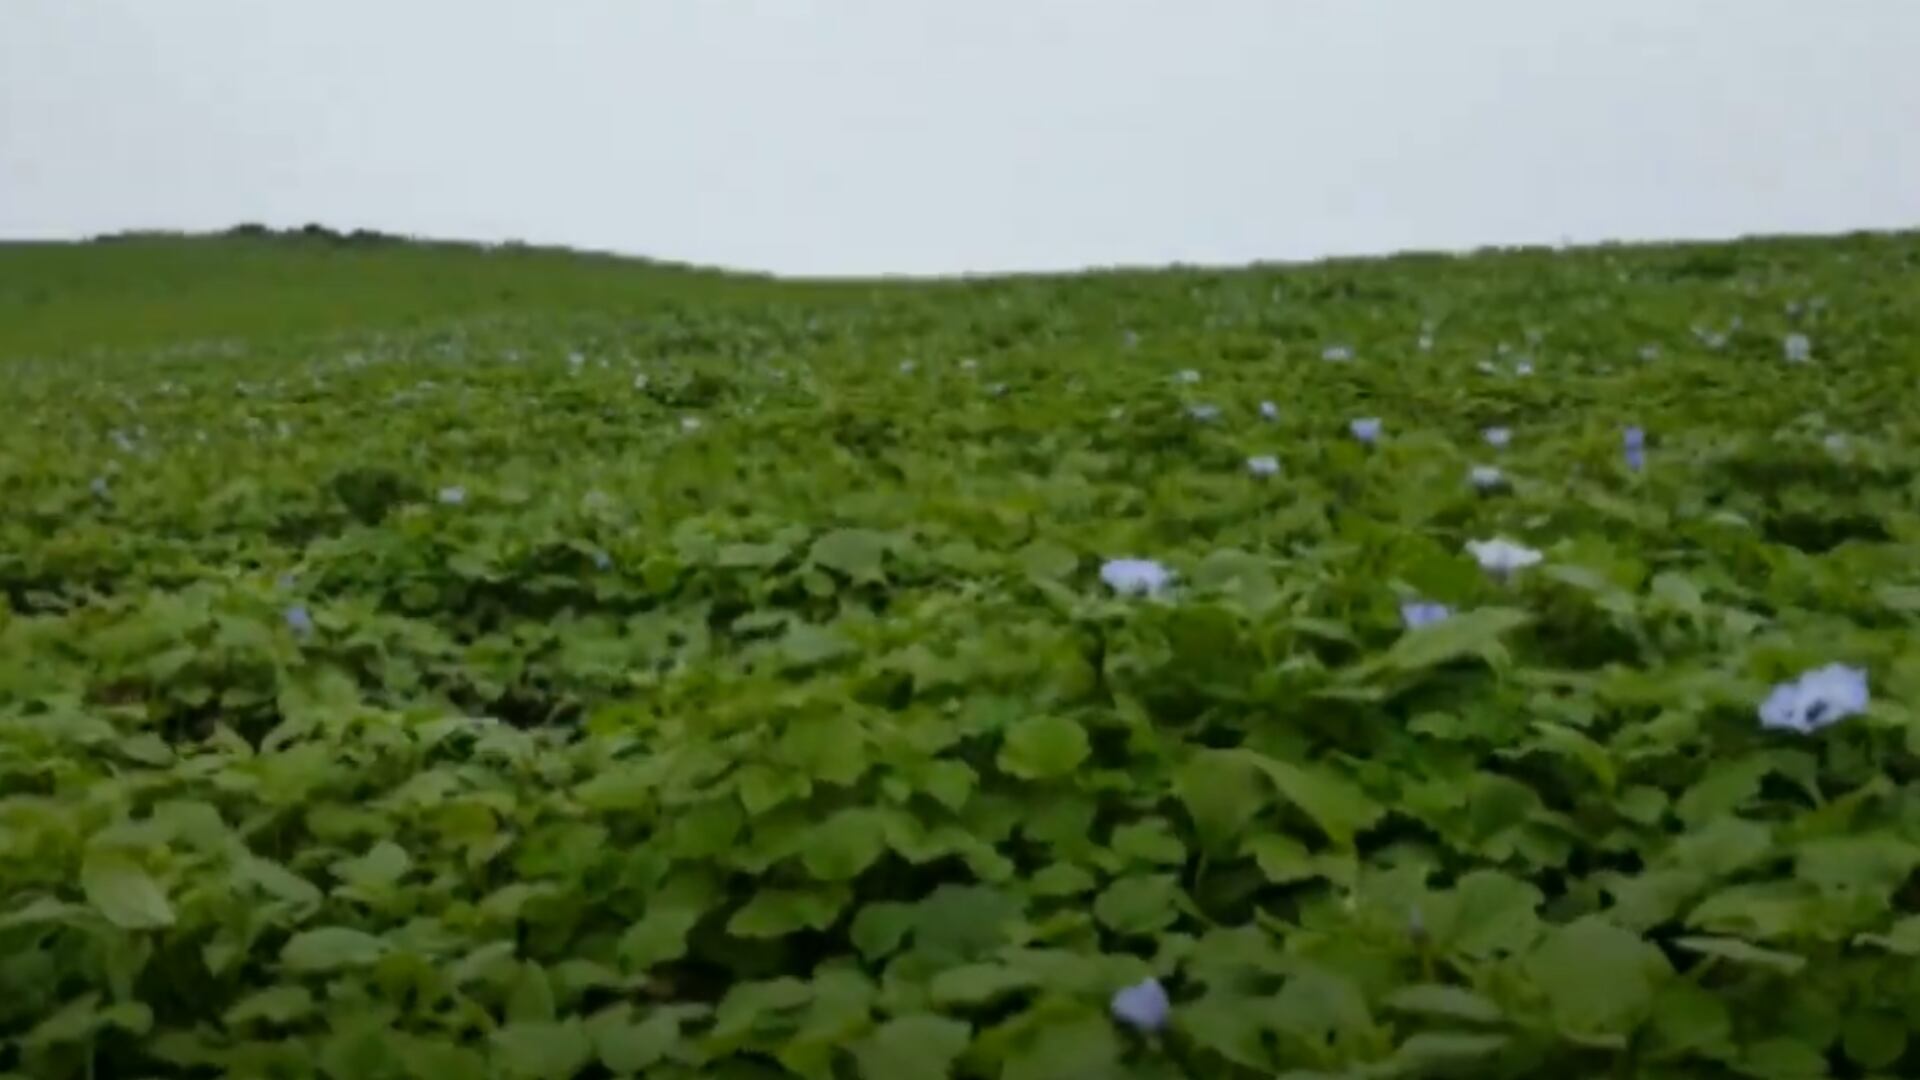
[(858, 137)]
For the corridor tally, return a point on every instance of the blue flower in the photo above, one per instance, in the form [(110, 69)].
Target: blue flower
[(1819, 697), (299, 621), (1339, 354), (1269, 411), (1418, 613), (1497, 437), (1366, 429), (1633, 442), (1798, 348), (1136, 577), (1142, 1006)]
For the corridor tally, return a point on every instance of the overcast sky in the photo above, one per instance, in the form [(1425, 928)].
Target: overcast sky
[(914, 136)]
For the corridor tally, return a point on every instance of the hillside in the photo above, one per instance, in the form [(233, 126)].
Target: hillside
[(426, 660)]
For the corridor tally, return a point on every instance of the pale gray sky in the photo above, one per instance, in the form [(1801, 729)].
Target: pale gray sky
[(914, 136)]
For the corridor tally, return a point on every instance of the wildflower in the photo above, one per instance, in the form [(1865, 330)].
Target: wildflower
[(299, 621), (1649, 352), (1136, 577), (1502, 556), (1269, 411), (1798, 348), (1486, 367), (1206, 414), (602, 561), (1339, 354), (1819, 697), (98, 487), (1426, 342), (690, 423), (1418, 613), (1486, 477), (574, 360), (1142, 1006), (969, 364), (453, 496), (1633, 443), (1130, 339), (1116, 413), (1263, 465), (1497, 437), (1189, 376), (640, 381), (998, 389), (1366, 429), (907, 366), (1835, 443), (1524, 367)]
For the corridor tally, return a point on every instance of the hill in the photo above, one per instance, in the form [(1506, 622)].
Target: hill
[(435, 660)]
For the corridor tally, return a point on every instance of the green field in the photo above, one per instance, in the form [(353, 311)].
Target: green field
[(432, 661)]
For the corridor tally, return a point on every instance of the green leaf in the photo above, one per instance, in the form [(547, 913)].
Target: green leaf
[(1043, 747), (806, 645), (1321, 1008), (1434, 1048), (777, 912), (1599, 980), (1450, 1002), (625, 1046), (1741, 952), (122, 890), (1285, 861), (1223, 794), (1470, 633), (330, 948), (1334, 804), (1903, 938), (976, 984), (1487, 912), (1082, 1046), (1784, 1058), (548, 1050), (1142, 904), (1230, 1025), (1061, 879), (1689, 1020), (845, 844), (912, 1048), (857, 553), (1149, 841), (1873, 1040), (1726, 787), (879, 928), (275, 1005)]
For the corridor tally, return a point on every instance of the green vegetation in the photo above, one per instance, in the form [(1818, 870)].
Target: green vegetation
[(422, 661)]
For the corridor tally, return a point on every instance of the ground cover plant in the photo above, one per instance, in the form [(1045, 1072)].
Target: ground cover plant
[(438, 662)]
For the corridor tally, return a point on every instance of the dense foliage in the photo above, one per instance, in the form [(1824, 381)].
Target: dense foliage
[(707, 678)]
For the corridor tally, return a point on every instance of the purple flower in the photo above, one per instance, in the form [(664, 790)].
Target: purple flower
[(1418, 613)]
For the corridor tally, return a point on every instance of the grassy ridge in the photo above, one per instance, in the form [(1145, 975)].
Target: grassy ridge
[(426, 661)]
